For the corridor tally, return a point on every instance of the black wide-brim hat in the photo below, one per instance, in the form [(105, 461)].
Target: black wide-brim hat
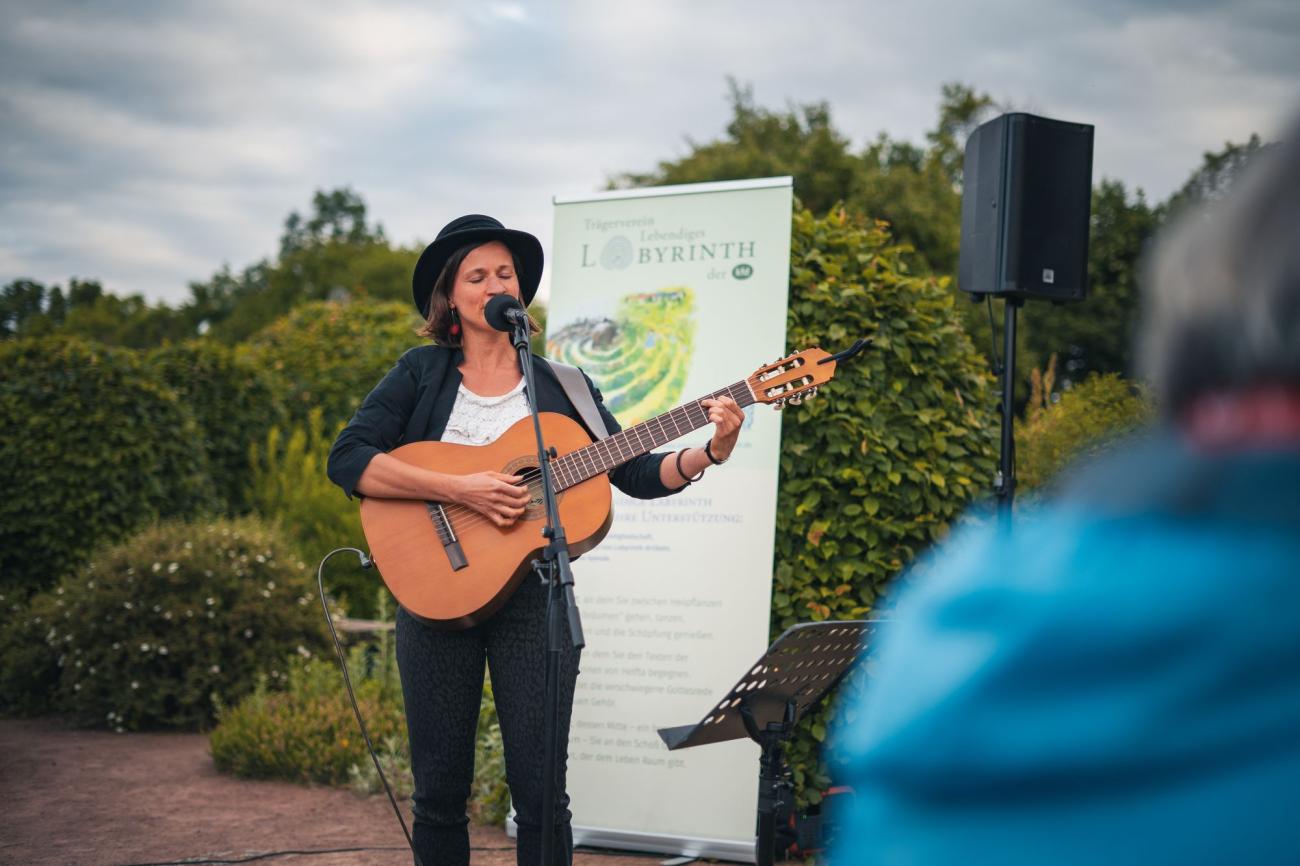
[(476, 229)]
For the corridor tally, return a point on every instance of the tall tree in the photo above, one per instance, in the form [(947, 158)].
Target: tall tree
[(961, 110), (83, 293), (338, 216), (212, 301), (914, 188), (910, 188), (129, 321), (800, 141), (56, 306), (334, 253), (21, 302), (1216, 175), (918, 190)]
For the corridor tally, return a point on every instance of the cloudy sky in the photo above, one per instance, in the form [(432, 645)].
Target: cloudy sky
[(146, 144)]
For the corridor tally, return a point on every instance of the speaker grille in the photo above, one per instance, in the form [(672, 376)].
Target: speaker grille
[(1025, 208)]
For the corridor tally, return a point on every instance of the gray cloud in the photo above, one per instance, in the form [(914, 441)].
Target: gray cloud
[(146, 144)]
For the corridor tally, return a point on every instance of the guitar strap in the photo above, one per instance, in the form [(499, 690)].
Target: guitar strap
[(575, 388)]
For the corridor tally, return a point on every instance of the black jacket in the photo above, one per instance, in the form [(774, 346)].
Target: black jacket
[(414, 400)]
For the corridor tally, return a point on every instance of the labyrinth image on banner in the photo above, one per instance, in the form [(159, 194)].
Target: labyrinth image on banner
[(639, 359)]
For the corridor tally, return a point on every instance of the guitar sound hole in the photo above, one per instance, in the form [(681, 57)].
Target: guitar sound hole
[(527, 467)]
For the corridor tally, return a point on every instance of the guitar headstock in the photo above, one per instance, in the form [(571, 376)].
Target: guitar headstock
[(792, 379)]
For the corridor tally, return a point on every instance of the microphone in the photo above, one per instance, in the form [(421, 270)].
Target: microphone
[(504, 313)]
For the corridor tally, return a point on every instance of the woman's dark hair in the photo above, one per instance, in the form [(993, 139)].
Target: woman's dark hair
[(437, 323)]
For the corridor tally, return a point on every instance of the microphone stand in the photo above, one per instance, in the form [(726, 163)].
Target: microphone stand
[(561, 606)]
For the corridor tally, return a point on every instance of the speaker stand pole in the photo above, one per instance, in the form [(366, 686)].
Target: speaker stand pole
[(1005, 481)]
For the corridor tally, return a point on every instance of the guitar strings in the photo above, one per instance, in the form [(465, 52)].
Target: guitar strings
[(473, 516), (467, 517)]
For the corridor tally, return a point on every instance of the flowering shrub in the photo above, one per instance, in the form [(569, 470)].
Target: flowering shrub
[(154, 629)]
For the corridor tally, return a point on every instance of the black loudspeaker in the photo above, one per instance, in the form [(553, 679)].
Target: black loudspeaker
[(1025, 209)]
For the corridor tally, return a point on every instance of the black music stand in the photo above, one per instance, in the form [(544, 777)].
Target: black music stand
[(798, 669)]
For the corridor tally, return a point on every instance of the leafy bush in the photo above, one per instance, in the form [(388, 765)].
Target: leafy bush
[(306, 731), (898, 444), (233, 401), (490, 796), (902, 439), (154, 628), (92, 445), (288, 485), (1084, 421), (329, 355)]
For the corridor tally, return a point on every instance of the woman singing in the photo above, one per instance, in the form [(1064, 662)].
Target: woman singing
[(467, 388)]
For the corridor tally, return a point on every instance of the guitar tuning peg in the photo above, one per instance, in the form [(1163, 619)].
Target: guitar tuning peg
[(796, 399), (779, 405)]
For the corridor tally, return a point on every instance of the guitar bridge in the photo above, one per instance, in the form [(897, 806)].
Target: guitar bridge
[(447, 535)]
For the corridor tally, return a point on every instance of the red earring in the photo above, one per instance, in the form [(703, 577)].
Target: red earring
[(454, 330)]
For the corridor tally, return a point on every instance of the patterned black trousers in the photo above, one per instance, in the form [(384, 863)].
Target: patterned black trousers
[(442, 683)]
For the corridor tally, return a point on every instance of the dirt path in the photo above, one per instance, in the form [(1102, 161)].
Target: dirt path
[(91, 798)]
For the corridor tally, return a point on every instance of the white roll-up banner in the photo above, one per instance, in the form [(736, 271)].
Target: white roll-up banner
[(663, 296)]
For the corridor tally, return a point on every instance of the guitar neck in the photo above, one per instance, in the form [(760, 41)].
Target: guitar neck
[(613, 451)]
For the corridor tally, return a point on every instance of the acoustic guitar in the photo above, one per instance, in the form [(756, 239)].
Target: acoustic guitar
[(453, 567)]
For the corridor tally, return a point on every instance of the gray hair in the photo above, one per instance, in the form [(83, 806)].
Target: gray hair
[(1222, 290)]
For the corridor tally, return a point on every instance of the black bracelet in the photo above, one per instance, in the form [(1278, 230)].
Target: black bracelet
[(708, 452), (682, 472)]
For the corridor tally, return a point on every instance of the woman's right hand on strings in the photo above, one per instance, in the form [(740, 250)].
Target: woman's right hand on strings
[(494, 495)]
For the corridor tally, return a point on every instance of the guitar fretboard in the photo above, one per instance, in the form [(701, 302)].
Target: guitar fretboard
[(613, 451)]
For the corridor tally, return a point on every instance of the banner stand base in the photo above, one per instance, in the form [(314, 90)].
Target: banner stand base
[(631, 840)]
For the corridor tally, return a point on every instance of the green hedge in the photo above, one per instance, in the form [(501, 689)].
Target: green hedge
[(156, 628), (876, 468), (92, 445), (328, 356), (234, 402)]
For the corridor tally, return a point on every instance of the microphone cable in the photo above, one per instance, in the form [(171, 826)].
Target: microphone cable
[(366, 562)]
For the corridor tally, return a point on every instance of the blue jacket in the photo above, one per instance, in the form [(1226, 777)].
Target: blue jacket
[(1117, 681)]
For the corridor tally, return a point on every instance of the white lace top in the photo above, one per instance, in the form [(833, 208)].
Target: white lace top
[(477, 420)]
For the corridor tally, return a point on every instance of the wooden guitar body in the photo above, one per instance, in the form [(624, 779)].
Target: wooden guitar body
[(452, 567), (409, 543)]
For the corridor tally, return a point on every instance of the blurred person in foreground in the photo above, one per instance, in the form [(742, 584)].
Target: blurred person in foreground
[(1117, 680)]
